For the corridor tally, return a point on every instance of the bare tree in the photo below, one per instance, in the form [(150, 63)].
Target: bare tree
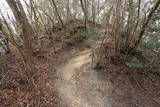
[(57, 13), (83, 6), (68, 10), (93, 11), (146, 22), (10, 36), (27, 31)]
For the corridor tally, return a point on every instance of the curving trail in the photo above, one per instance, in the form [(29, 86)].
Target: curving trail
[(76, 62), (80, 85)]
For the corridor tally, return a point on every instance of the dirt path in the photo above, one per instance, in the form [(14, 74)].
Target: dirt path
[(81, 86), (76, 62)]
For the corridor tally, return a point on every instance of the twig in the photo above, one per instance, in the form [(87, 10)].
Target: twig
[(157, 53), (145, 90), (8, 73)]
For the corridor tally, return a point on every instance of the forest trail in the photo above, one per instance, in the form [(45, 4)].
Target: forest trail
[(80, 85), (68, 70)]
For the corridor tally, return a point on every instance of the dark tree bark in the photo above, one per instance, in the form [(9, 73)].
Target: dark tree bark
[(93, 12), (152, 11)]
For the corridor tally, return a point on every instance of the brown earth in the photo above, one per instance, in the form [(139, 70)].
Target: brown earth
[(81, 86)]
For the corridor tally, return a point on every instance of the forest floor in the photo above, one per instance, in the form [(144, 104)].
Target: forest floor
[(67, 79)]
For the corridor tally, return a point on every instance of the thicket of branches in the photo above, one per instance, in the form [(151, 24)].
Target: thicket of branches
[(127, 26)]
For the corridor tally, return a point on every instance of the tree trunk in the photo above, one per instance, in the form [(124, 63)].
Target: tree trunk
[(152, 11), (93, 12), (68, 10), (27, 31), (145, 25), (83, 6), (57, 13), (11, 38)]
